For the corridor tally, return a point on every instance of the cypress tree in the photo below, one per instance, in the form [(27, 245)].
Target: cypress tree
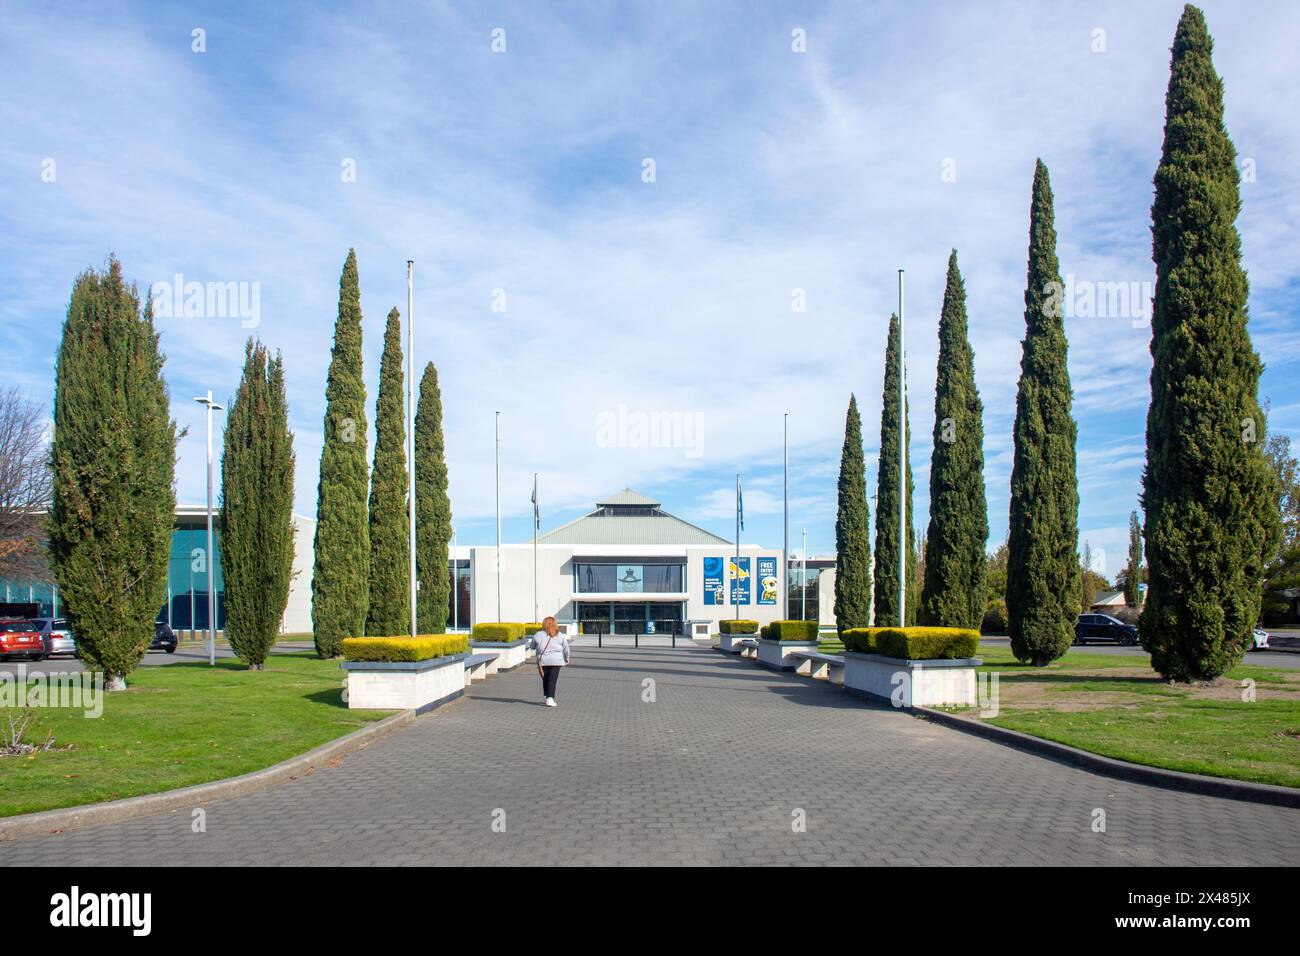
[(1211, 519), (390, 524), (1133, 573), (955, 561), (852, 530), (887, 544), (113, 460), (257, 532), (340, 582), (1043, 574), (432, 509)]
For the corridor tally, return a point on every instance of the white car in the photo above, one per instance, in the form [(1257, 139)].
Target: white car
[(1261, 640)]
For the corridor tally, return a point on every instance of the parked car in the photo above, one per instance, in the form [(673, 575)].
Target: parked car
[(1102, 627), (21, 637), (57, 635), (164, 638), (1260, 643)]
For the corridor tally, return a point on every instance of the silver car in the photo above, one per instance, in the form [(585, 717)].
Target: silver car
[(57, 635)]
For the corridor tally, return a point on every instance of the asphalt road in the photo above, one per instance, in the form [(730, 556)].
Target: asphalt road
[(186, 653), (1276, 658)]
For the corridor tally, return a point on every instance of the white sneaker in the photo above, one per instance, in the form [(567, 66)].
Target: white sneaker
[(550, 702)]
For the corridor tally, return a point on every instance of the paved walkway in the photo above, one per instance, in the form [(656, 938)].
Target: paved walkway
[(714, 771)]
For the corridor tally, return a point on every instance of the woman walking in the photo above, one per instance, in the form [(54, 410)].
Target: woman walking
[(552, 653)]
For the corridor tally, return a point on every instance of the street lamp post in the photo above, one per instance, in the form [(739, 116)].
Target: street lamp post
[(212, 406)]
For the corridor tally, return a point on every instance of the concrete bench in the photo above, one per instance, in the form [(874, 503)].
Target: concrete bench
[(820, 666), (476, 666), (748, 647)]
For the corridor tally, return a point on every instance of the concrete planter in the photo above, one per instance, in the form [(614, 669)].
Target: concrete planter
[(778, 655), (730, 643), (509, 654), (942, 683), (405, 685)]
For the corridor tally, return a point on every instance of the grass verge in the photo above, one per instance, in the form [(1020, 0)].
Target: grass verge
[(181, 724), (1117, 706)]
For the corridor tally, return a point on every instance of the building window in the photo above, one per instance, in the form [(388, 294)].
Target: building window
[(803, 593), (459, 603), (618, 578)]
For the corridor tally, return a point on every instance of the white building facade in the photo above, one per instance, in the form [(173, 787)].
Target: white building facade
[(631, 568)]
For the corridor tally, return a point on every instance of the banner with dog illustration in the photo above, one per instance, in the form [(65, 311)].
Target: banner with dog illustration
[(768, 582)]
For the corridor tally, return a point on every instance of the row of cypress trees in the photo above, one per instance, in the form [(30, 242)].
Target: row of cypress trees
[(360, 579), (1208, 493)]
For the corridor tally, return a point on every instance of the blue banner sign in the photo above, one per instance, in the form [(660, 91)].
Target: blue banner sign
[(768, 583), (715, 592)]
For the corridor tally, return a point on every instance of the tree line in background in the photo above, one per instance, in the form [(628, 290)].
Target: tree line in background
[(360, 580), (1211, 499)]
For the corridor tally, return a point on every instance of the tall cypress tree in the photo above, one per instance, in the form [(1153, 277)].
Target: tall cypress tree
[(1043, 575), (432, 508), (340, 582), (1133, 571), (955, 561), (114, 459), (1207, 491), (390, 523), (887, 544), (257, 532), (852, 530)]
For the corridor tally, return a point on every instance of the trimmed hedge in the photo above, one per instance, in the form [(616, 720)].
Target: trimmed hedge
[(792, 631), (927, 643), (387, 649), (731, 626), (861, 639), (532, 627), (765, 632), (504, 631)]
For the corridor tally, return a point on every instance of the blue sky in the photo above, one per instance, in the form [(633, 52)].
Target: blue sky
[(903, 131)]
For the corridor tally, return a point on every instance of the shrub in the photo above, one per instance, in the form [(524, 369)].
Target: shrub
[(420, 648), (927, 643), (861, 639), (532, 627), (995, 617), (765, 632), (731, 626), (792, 631), (505, 631)]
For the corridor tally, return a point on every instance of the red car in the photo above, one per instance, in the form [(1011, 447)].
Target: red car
[(19, 637)]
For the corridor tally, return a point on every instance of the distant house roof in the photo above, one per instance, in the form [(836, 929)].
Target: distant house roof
[(1109, 599), (629, 518)]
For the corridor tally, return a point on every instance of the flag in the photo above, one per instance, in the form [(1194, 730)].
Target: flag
[(740, 504), (537, 515)]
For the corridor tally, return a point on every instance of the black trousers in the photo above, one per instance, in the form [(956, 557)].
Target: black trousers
[(550, 677)]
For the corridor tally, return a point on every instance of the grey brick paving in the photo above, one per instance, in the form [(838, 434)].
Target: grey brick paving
[(708, 774)]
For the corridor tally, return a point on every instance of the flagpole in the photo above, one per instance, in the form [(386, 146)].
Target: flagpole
[(903, 543), (410, 426), (785, 518), (498, 516), (803, 581), (535, 522), (735, 587)]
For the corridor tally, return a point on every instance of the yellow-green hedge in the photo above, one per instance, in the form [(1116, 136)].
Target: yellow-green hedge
[(927, 643), (792, 631), (505, 631), (532, 627), (733, 626), (861, 639), (421, 648)]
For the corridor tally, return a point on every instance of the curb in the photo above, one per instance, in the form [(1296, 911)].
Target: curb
[(1121, 769), (115, 811)]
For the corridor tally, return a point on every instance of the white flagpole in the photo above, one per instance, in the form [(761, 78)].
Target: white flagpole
[(410, 424), (803, 583), (785, 519), (903, 543), (535, 546), (498, 516), (735, 585)]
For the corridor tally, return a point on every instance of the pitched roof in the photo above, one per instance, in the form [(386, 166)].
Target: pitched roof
[(629, 518)]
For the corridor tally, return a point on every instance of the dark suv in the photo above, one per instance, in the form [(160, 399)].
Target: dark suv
[(1103, 627), (164, 638)]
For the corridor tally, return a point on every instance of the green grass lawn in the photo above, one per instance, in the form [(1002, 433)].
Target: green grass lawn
[(1117, 706), (181, 724)]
